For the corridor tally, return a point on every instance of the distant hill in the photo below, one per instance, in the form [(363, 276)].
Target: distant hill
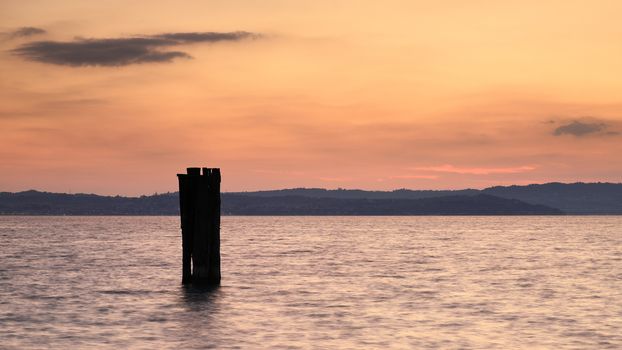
[(577, 198), (45, 203), (358, 194), (480, 204)]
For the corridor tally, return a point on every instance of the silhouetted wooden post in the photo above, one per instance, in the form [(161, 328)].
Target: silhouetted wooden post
[(199, 204), (213, 229)]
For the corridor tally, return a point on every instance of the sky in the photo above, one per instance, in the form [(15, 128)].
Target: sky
[(116, 97)]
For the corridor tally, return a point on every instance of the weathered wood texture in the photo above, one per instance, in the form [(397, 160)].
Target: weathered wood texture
[(199, 203)]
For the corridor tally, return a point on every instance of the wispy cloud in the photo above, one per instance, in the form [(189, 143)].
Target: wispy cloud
[(72, 103), (201, 37), (115, 52), (335, 179), (424, 177), (24, 32), (447, 168), (278, 172), (583, 128)]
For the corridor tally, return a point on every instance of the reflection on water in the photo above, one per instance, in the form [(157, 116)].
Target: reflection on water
[(198, 298), (322, 282)]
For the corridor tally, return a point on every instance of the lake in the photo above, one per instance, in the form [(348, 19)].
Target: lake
[(315, 282)]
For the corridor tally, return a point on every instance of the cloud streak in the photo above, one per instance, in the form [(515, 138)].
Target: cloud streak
[(447, 168), (334, 179), (116, 52), (411, 177), (24, 32)]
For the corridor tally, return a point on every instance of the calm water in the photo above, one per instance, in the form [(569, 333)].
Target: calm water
[(315, 282)]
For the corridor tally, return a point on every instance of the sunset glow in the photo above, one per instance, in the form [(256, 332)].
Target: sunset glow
[(105, 97)]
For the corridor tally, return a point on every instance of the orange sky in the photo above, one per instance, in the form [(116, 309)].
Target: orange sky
[(352, 94)]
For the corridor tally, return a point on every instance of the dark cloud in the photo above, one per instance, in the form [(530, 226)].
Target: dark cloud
[(579, 128), (26, 32), (120, 51), (99, 52)]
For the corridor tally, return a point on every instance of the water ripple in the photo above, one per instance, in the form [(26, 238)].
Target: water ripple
[(315, 282)]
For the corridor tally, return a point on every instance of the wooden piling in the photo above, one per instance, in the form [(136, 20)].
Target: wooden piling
[(199, 204)]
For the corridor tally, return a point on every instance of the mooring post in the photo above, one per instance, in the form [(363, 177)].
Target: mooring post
[(199, 204), (213, 229)]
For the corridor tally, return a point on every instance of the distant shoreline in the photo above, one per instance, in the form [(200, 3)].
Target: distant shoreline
[(298, 215), (546, 199)]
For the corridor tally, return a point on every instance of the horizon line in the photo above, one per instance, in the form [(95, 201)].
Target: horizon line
[(328, 189)]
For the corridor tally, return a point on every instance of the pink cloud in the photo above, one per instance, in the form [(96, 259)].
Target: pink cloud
[(447, 168), (426, 177), (278, 172), (335, 179)]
